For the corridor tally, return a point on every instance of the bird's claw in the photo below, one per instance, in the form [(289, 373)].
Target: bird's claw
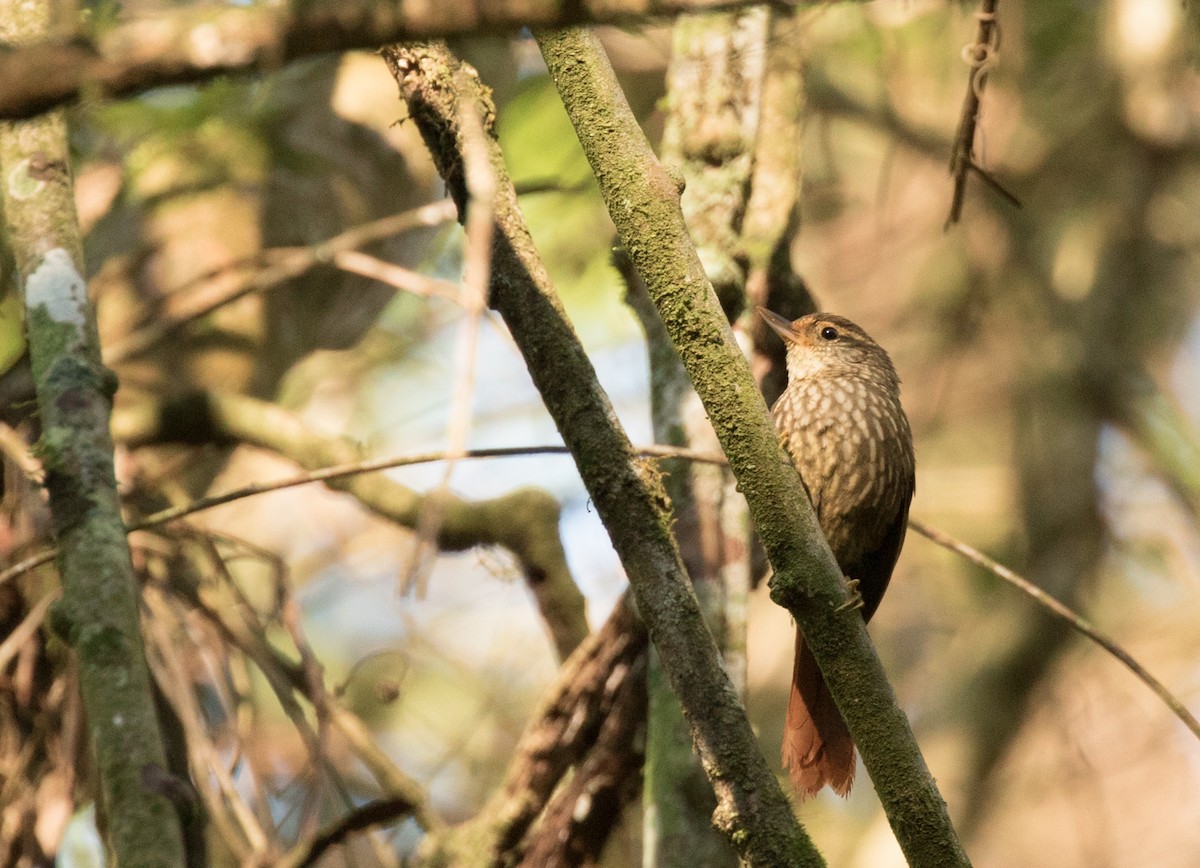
[(855, 601)]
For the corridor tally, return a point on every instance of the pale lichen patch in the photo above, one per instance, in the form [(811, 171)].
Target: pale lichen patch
[(57, 286), (22, 184)]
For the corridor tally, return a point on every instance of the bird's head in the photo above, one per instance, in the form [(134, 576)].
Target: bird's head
[(827, 345)]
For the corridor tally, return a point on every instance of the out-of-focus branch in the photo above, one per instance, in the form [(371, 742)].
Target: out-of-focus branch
[(524, 521), (374, 813), (578, 821), (275, 267), (138, 425), (716, 80), (1077, 621), (591, 687), (98, 616), (627, 493), (197, 44), (34, 619), (477, 263), (237, 827), (772, 212), (643, 201), (241, 628)]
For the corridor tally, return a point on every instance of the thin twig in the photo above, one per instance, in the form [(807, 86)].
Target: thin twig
[(276, 267), (23, 632), (990, 180), (356, 468), (1077, 621), (208, 768), (344, 470), (375, 813), (397, 276), (243, 630), (477, 266)]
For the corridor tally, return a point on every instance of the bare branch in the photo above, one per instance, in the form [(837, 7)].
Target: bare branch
[(197, 44), (1077, 621), (577, 822), (477, 266), (524, 521), (981, 57), (643, 201), (588, 688), (378, 812), (275, 267), (329, 474)]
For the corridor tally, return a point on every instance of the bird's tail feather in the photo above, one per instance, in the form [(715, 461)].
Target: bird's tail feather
[(817, 748)]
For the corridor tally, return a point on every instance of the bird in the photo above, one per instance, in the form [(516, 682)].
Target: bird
[(841, 422)]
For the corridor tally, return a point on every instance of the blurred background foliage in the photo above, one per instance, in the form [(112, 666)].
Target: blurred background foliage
[(1050, 356)]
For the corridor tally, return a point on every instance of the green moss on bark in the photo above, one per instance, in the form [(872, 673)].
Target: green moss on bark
[(645, 209), (99, 611), (629, 497)]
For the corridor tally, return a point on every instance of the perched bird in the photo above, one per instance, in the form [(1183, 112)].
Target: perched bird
[(841, 421)]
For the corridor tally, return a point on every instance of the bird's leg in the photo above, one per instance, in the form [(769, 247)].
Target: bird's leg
[(856, 599)]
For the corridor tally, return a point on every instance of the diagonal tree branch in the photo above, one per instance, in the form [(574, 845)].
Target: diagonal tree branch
[(591, 687), (1077, 622), (715, 125), (627, 493), (643, 201), (580, 818)]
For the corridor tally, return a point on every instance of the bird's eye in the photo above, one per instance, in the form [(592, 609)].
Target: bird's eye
[(829, 333)]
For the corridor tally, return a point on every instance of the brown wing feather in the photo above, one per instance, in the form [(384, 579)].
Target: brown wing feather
[(874, 569)]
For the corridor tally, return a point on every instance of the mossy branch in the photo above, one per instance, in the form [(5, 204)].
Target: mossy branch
[(643, 201), (98, 616), (626, 491), (524, 521)]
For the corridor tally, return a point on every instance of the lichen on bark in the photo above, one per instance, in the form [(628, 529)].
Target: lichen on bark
[(99, 611)]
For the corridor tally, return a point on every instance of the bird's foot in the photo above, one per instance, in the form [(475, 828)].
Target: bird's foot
[(855, 601)]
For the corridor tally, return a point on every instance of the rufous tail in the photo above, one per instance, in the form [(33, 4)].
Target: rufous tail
[(817, 748)]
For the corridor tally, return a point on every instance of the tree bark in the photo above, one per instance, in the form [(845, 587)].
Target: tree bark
[(643, 201), (99, 615), (198, 44), (626, 492)]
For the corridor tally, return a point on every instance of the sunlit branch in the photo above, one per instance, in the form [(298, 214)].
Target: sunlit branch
[(565, 730), (377, 812), (196, 44), (473, 296), (340, 471)]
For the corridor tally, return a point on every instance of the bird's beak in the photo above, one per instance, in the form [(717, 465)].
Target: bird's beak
[(781, 326)]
